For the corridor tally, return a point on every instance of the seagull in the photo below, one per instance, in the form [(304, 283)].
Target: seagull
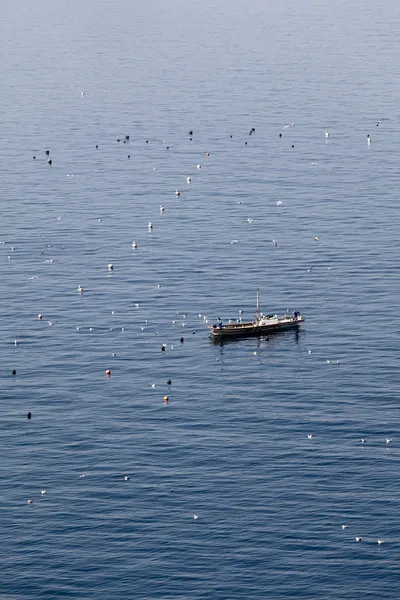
[(363, 440), (279, 203), (275, 242), (315, 239), (326, 134), (380, 542), (388, 440), (43, 492), (82, 476), (309, 351), (80, 289), (328, 362), (309, 270), (30, 501), (153, 385), (150, 226), (161, 209), (358, 539), (34, 277), (250, 220), (126, 477), (195, 517), (309, 435), (345, 526), (188, 179)]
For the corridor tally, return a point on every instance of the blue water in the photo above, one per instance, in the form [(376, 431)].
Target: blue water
[(231, 446)]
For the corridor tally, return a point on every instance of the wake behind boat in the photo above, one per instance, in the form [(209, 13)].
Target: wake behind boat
[(262, 324)]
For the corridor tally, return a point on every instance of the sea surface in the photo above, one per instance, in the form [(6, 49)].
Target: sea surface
[(252, 482)]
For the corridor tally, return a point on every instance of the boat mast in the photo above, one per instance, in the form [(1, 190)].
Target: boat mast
[(258, 304)]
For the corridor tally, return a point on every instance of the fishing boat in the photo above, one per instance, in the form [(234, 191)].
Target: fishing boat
[(262, 325)]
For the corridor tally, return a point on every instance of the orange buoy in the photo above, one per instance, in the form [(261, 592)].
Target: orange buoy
[(166, 399), (108, 372)]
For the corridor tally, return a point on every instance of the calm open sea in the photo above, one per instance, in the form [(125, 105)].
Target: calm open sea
[(232, 446)]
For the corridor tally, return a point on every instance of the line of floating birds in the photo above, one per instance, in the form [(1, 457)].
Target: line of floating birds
[(252, 130), (362, 440)]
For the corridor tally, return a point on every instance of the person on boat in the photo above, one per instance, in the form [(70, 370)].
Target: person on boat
[(220, 324)]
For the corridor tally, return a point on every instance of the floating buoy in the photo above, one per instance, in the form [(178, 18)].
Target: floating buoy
[(110, 267), (40, 316), (166, 399)]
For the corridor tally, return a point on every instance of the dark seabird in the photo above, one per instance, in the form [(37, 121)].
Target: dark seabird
[(29, 415)]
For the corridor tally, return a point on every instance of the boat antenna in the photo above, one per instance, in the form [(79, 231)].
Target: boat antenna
[(258, 302)]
